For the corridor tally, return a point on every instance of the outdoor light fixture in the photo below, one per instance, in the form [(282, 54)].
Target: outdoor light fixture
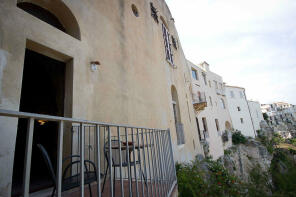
[(42, 122), (94, 65)]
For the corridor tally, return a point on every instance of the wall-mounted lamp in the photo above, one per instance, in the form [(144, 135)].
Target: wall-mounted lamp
[(94, 65)]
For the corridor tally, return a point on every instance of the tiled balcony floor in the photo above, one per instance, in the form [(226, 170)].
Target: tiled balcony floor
[(76, 191)]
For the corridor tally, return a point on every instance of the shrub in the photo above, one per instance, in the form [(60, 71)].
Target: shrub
[(283, 173), (259, 184), (265, 116), (238, 138), (214, 181), (227, 152)]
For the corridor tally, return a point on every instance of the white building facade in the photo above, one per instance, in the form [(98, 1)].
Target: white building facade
[(211, 109), (239, 110), (256, 114)]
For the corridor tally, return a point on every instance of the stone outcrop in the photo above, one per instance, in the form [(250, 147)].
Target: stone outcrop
[(266, 129), (242, 158)]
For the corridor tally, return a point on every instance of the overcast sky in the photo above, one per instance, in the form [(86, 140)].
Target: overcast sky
[(250, 43)]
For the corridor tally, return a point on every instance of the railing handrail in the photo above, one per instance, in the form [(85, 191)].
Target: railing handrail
[(18, 114)]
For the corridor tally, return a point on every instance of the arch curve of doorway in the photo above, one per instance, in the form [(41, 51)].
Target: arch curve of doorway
[(59, 10)]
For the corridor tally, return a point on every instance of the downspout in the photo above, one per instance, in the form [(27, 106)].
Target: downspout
[(250, 113)]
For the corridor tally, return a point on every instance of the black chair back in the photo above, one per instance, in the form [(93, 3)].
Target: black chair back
[(48, 163)]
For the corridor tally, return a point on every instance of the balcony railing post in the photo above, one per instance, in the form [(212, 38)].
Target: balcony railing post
[(128, 164), (60, 158), (168, 164), (98, 160), (152, 153), (172, 156), (164, 156), (120, 161), (135, 166), (81, 160), (28, 157), (139, 158), (160, 161), (155, 161), (110, 161), (148, 161)]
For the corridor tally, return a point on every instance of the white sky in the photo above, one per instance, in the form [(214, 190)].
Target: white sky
[(250, 43)]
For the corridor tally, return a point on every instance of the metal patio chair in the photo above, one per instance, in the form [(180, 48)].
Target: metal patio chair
[(72, 181), (116, 160)]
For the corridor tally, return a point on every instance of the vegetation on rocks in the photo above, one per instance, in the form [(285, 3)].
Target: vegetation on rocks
[(210, 178), (238, 138)]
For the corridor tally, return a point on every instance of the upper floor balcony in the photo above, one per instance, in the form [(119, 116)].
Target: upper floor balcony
[(199, 101)]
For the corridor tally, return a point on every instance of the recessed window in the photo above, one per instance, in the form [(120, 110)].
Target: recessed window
[(194, 74), (222, 104), (175, 42), (135, 10), (216, 84), (211, 101), (168, 50), (154, 12), (217, 124), (242, 120), (238, 109)]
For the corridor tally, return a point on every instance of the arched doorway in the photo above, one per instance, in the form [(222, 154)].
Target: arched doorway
[(55, 13)]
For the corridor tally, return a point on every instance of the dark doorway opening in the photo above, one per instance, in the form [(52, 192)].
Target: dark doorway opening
[(43, 92)]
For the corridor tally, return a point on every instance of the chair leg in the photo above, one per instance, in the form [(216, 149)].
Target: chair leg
[(105, 177), (114, 171), (53, 191), (145, 180), (89, 187)]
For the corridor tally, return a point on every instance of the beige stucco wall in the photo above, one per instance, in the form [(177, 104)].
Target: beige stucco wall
[(132, 85), (212, 111)]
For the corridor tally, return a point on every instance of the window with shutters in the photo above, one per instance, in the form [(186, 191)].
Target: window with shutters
[(167, 44)]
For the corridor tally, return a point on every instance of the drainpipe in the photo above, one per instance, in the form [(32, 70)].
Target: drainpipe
[(250, 112)]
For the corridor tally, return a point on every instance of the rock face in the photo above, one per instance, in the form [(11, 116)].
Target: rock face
[(241, 159), (266, 129)]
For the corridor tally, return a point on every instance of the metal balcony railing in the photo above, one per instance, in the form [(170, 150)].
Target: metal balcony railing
[(128, 161), (199, 101)]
